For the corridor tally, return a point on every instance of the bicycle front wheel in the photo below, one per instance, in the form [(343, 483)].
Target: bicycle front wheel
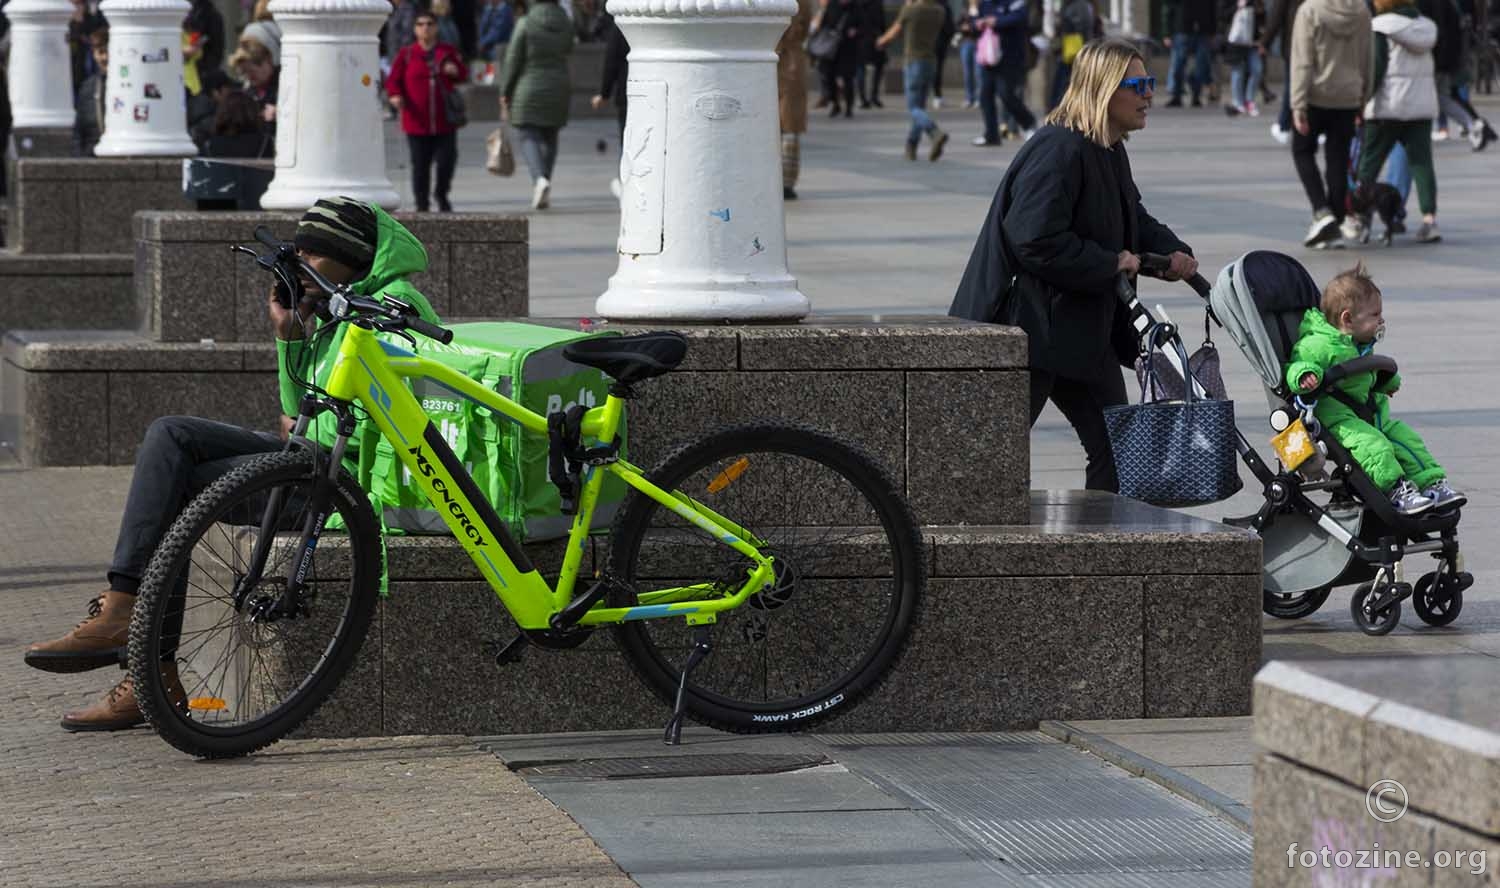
[(849, 577), (249, 674)]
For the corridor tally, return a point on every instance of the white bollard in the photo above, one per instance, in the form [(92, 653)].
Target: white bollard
[(702, 231), (40, 73), (329, 135), (145, 103)]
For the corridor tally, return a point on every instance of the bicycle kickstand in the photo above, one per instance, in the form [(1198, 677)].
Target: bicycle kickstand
[(702, 646)]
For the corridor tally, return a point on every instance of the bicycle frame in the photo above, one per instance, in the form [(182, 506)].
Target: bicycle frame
[(372, 372)]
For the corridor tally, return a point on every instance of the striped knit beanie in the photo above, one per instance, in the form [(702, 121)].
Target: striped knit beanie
[(341, 228)]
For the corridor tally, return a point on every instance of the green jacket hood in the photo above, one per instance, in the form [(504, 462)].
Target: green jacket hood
[(398, 254)]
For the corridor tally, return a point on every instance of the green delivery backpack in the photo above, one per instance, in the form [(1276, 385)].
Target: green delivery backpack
[(524, 362)]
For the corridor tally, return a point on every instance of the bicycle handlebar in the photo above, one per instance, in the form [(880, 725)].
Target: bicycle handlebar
[(340, 299)]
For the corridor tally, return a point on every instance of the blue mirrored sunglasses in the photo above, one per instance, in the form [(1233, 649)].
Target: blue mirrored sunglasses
[(1141, 85)]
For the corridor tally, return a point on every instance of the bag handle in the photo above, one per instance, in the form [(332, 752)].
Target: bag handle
[(1157, 337)]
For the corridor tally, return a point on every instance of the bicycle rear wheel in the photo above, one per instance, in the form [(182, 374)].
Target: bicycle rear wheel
[(849, 577), (251, 676)]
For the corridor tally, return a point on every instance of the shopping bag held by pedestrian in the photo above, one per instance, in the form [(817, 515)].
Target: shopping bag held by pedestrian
[(824, 44), (499, 159), (987, 50), (1174, 453)]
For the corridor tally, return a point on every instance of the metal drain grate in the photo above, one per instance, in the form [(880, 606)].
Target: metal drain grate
[(717, 765)]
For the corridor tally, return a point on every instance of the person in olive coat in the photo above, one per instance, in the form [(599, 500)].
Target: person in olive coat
[(534, 90), (1066, 221)]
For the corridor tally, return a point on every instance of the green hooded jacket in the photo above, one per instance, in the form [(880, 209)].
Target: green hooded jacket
[(535, 75), (398, 254), (1321, 345)]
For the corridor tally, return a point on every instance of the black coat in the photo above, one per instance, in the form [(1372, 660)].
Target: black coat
[(1045, 259), (1195, 17), (616, 62)]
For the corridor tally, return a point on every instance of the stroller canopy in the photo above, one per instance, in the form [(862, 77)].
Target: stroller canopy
[(1260, 299)]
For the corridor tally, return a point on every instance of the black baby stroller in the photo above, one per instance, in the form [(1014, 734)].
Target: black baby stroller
[(1324, 524)]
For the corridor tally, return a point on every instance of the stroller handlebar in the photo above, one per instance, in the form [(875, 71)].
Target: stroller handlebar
[(1156, 265)]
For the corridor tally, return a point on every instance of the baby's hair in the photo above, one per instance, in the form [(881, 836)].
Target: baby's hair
[(1348, 291)]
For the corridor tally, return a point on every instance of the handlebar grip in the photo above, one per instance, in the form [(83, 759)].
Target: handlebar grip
[(265, 236), (431, 331), (1201, 285), (1123, 288), (1154, 264)]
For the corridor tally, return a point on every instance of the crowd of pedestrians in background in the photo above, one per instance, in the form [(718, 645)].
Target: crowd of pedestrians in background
[(1369, 85)]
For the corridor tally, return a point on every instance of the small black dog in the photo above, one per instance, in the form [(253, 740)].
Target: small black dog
[(1378, 198)]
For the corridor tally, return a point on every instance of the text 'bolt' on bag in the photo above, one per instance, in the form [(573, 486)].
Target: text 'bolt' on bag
[(1174, 453)]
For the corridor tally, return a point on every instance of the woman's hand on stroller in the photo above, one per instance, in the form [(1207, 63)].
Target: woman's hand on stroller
[(1183, 267), (1129, 263)]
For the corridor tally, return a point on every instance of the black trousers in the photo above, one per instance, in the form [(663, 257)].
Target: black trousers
[(1083, 404), (178, 458), (424, 151), (1338, 126)]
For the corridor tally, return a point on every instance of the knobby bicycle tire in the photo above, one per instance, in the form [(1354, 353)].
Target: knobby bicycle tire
[(236, 501), (809, 584)]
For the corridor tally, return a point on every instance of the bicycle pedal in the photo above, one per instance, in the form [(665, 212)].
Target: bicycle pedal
[(509, 652)]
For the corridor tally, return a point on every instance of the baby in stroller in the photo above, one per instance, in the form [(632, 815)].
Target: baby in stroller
[(1356, 411)]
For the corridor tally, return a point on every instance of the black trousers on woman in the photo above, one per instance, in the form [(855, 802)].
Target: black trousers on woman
[(1083, 404), (424, 151)]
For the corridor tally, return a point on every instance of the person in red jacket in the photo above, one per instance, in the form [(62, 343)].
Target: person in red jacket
[(421, 77)]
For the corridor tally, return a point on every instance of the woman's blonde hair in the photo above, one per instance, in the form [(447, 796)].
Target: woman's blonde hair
[(1097, 72)]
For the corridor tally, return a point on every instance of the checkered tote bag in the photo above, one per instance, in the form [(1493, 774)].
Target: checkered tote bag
[(1174, 453)]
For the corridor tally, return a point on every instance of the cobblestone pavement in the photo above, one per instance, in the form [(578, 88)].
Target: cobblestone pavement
[(125, 809)]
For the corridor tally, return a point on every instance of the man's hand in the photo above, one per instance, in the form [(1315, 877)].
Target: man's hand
[(1128, 262), (287, 422), (395, 101), (450, 69), (287, 323), (1183, 266), (268, 114), (1308, 382), (597, 103), (1299, 123)]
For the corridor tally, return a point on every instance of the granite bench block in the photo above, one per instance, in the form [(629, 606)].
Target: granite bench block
[(488, 280), (1449, 768), (1320, 723), (1202, 642), (441, 676), (137, 399), (58, 419), (66, 351), (43, 217), (916, 343), (1294, 805), (857, 406), (967, 448), (356, 706), (42, 141), (1022, 663), (188, 292), (43, 292)]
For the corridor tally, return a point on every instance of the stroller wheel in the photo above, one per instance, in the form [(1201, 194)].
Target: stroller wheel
[(1294, 605), (1374, 622), (1437, 601)]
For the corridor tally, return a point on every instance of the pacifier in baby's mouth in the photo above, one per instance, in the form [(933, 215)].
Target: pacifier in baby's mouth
[(1380, 332)]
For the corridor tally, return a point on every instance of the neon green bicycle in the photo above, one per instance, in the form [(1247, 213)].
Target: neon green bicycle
[(786, 552)]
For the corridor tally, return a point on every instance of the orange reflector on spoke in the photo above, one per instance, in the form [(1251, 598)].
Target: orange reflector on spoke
[(207, 704), (728, 476)]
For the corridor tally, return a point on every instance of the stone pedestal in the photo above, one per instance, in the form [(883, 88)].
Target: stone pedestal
[(329, 137), (1400, 755), (145, 111), (702, 235), (1182, 597), (40, 73)]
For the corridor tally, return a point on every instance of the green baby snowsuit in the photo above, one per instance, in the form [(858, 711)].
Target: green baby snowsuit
[(1388, 450)]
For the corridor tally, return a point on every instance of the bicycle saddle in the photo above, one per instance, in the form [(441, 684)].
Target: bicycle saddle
[(629, 359)]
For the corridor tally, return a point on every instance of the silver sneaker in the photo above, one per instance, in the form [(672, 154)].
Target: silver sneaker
[(1428, 233), (1409, 501), (1443, 496), (1355, 231)]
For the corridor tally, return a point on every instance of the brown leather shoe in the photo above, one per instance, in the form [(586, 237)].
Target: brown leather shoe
[(119, 710), (98, 641)]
